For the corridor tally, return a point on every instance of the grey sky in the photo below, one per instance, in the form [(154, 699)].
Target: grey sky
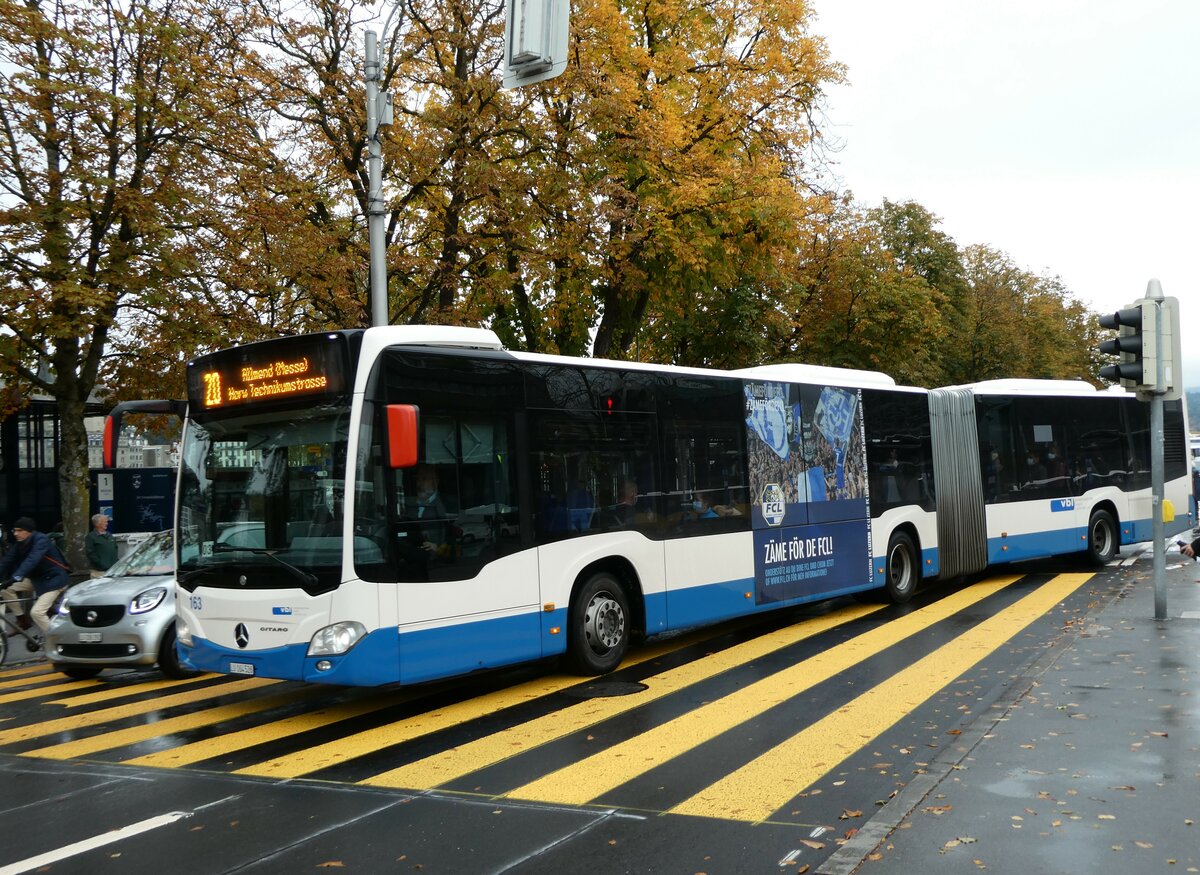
[(1063, 132)]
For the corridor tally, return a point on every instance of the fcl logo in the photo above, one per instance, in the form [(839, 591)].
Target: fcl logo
[(772, 504)]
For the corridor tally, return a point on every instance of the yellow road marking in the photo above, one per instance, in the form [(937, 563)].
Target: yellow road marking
[(135, 689), (132, 735), (210, 747), (589, 778), (315, 758), (25, 670), (46, 690), (119, 712), (761, 787), (38, 678), (441, 768)]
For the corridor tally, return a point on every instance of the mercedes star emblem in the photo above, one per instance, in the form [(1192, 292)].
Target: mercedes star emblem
[(241, 635), (92, 616), (242, 580)]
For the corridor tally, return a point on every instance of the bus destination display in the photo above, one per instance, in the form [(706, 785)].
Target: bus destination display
[(271, 371)]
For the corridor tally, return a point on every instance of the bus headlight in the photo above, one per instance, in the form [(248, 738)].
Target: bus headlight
[(183, 633), (336, 639)]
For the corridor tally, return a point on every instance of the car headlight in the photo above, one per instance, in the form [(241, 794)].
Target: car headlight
[(336, 639), (63, 607), (183, 634), (148, 600)]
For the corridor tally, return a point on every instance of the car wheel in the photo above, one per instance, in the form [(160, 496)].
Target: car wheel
[(80, 672), (168, 657), (599, 630)]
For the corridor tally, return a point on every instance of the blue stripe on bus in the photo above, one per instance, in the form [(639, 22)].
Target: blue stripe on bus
[(449, 650), (1073, 540), (371, 662)]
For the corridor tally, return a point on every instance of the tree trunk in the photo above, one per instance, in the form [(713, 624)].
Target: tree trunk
[(73, 482)]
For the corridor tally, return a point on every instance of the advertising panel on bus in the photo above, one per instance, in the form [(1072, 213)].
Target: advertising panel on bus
[(807, 468)]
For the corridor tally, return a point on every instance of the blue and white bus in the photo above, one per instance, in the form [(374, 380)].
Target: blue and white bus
[(405, 503)]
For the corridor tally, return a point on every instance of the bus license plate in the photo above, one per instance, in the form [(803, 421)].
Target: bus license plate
[(241, 668), (90, 637)]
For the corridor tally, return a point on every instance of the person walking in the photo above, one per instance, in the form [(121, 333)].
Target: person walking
[(35, 559), (100, 546)]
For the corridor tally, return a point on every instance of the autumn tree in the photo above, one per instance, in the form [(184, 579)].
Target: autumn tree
[(118, 119), (857, 305), (1020, 324)]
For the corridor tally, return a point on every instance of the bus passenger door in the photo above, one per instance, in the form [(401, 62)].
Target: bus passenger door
[(468, 596)]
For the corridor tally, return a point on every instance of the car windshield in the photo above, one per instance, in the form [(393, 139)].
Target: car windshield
[(262, 499), (153, 556)]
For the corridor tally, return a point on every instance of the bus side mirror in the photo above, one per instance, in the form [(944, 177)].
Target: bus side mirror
[(110, 442), (402, 435), (112, 422)]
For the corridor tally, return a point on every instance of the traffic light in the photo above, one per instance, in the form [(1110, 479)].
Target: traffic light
[(1147, 341), (535, 40), (1134, 344)]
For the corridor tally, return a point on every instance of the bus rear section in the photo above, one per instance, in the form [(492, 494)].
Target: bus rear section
[(1064, 469)]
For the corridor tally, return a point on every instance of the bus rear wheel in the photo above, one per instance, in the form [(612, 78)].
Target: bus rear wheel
[(599, 630), (903, 571), (1102, 538)]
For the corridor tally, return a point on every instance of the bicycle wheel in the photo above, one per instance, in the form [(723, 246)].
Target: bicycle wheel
[(3, 646)]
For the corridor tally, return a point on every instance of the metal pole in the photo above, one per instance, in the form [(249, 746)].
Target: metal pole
[(1157, 474), (375, 205)]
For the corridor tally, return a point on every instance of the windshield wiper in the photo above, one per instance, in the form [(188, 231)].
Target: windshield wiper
[(307, 576)]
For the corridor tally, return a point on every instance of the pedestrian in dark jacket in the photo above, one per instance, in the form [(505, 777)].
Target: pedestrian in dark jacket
[(35, 558), (99, 546), (1190, 549)]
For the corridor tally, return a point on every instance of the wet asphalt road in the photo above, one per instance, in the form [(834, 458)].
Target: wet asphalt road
[(1033, 721)]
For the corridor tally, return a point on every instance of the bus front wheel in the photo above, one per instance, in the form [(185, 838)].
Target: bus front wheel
[(1102, 538), (599, 630), (903, 569)]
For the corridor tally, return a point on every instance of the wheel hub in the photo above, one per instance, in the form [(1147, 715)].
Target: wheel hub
[(604, 623)]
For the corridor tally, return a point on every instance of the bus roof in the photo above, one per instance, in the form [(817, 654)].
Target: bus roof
[(434, 335), (793, 372), (482, 338), (1039, 387)]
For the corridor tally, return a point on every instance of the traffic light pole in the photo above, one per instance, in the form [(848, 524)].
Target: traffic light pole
[(1149, 364), (1157, 473)]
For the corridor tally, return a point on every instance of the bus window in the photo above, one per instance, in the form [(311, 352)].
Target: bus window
[(899, 449), (594, 472), (448, 515)]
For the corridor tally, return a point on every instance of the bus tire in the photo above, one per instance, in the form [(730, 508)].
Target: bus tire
[(599, 631), (1102, 538), (903, 568), (168, 657)]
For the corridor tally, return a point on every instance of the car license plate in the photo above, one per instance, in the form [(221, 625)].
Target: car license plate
[(90, 637), (241, 668)]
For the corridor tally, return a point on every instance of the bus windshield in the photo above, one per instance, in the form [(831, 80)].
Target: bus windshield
[(262, 500)]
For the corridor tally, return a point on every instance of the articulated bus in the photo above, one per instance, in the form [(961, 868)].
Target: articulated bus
[(406, 503)]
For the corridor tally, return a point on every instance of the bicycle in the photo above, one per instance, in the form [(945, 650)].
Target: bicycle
[(10, 629)]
